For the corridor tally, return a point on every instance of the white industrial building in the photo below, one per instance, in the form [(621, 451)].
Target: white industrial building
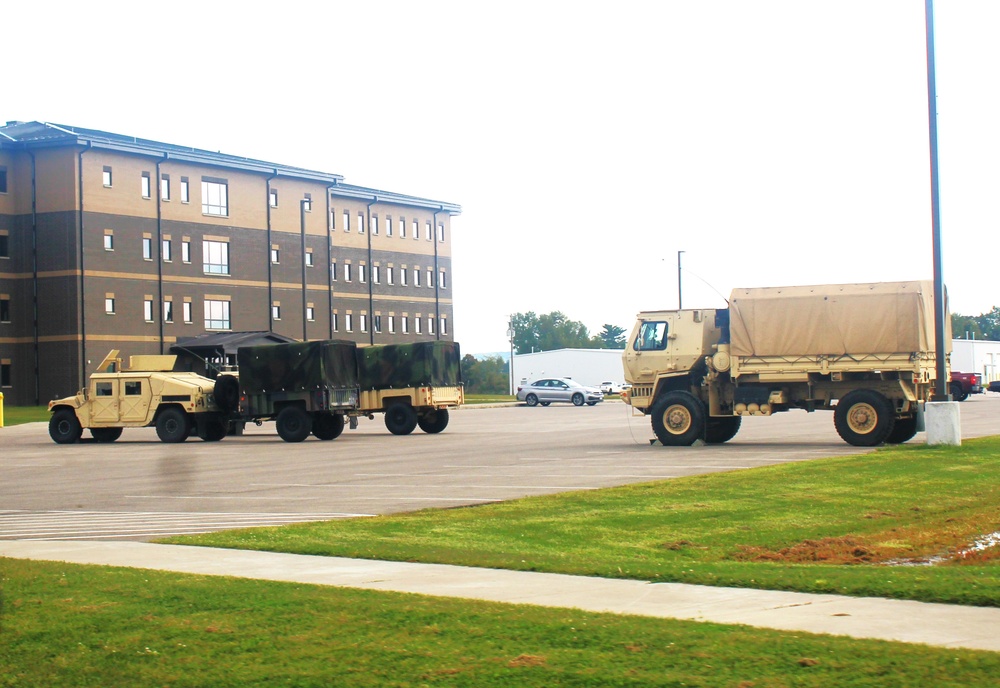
[(587, 366), (976, 356)]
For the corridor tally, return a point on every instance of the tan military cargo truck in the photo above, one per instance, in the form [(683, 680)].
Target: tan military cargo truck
[(146, 393), (864, 351)]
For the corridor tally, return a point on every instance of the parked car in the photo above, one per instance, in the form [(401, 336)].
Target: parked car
[(550, 389), (611, 388), (964, 384), (994, 386)]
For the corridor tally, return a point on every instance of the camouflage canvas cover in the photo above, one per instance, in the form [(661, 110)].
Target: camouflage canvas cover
[(298, 366), (398, 366), (838, 319)]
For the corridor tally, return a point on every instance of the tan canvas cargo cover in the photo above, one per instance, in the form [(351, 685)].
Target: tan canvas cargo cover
[(836, 319)]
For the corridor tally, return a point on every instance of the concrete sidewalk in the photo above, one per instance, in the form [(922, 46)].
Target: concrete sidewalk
[(943, 625)]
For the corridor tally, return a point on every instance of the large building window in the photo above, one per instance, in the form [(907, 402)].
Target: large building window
[(216, 254), (217, 315), (214, 197)]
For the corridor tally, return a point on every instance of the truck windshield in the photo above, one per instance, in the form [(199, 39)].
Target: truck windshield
[(652, 337)]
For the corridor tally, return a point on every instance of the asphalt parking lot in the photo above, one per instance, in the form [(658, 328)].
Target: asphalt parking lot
[(139, 488)]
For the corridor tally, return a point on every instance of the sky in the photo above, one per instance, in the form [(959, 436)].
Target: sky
[(774, 142)]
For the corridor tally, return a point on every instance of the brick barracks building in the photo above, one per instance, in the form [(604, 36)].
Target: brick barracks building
[(113, 242)]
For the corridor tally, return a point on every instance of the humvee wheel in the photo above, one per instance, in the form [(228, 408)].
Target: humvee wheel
[(678, 419), (64, 428), (106, 434), (172, 425), (213, 430), (328, 426), (719, 430), (400, 419), (532, 400), (864, 418), (904, 429), (294, 424), (433, 421)]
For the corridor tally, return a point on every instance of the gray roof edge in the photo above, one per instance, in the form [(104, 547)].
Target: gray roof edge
[(380, 196)]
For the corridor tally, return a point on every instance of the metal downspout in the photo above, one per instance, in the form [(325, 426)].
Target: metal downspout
[(83, 297), (34, 276), (159, 244), (302, 258), (437, 276), (267, 251), (371, 296), (329, 263)]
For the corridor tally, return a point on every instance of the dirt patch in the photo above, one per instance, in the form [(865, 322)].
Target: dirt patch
[(846, 549)]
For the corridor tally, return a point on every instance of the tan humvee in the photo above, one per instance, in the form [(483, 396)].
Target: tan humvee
[(146, 393)]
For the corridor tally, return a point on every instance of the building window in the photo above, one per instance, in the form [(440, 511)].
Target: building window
[(388, 226), (388, 275), (275, 255), (430, 278), (378, 324), (364, 322), (416, 324), (402, 228), (442, 281), (273, 198), (5, 374), (392, 324), (349, 322), (217, 315), (347, 221), (402, 275), (4, 308), (3, 179), (374, 224), (336, 322), (214, 198), (428, 233), (347, 272), (416, 229), (188, 312), (146, 188), (307, 203), (186, 251), (276, 311), (165, 187), (309, 258), (416, 277), (216, 257), (4, 244), (167, 253), (405, 324), (107, 176), (333, 271), (109, 305), (185, 190), (430, 324), (147, 310), (441, 232), (375, 274), (168, 311), (361, 273), (147, 248), (310, 313), (361, 223), (444, 326), (109, 240)]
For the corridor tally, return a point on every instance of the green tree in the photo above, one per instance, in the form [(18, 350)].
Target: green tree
[(485, 376), (982, 326), (612, 337), (550, 331)]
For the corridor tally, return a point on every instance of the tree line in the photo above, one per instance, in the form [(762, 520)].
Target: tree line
[(982, 326)]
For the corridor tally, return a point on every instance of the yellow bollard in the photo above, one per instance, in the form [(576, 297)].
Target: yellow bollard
[(1, 409)]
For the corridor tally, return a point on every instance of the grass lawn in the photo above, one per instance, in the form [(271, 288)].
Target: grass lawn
[(857, 525), (15, 415), (85, 626)]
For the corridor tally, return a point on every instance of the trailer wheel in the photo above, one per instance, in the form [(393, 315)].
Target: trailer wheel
[(294, 424), (213, 430), (678, 419), (400, 419), (328, 426), (106, 434), (172, 425), (864, 418), (433, 421), (64, 428), (720, 430), (904, 429)]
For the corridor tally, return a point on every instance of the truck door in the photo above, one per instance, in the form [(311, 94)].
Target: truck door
[(648, 352), (134, 403), (104, 403)]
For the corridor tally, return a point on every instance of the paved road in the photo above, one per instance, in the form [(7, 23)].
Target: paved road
[(139, 488)]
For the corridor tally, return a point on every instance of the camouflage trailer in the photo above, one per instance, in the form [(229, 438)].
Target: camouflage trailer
[(147, 393), (413, 384), (304, 386)]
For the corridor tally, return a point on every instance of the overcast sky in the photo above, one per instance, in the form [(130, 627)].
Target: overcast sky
[(774, 142)]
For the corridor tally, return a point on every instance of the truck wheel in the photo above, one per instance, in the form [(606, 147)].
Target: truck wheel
[(106, 434), (64, 428), (678, 419), (172, 425), (227, 393), (904, 429), (719, 430), (328, 426), (957, 393), (433, 421), (294, 424), (577, 399), (531, 400), (213, 430), (864, 418), (400, 419)]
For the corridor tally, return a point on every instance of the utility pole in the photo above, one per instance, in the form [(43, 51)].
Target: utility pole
[(680, 302)]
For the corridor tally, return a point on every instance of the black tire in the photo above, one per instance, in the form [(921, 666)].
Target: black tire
[(957, 393), (678, 419), (294, 424), (532, 400), (227, 393), (64, 428), (720, 430), (433, 421), (213, 430), (328, 426), (591, 403), (106, 434), (864, 418), (578, 399), (400, 419), (902, 430), (172, 425), (237, 428), (544, 403)]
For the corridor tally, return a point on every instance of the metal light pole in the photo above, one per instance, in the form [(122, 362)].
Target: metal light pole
[(680, 302), (510, 364)]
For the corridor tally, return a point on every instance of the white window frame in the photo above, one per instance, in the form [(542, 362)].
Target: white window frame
[(215, 257), (214, 198), (218, 315)]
